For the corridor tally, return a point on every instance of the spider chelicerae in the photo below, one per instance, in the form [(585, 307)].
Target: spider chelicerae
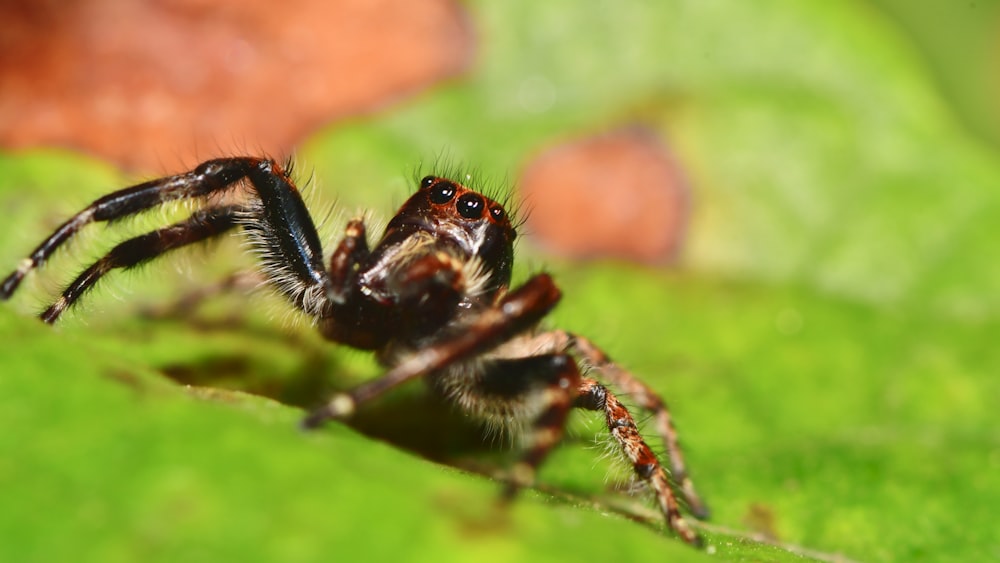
[(432, 299)]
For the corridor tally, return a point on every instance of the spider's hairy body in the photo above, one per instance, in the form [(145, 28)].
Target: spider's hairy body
[(432, 299)]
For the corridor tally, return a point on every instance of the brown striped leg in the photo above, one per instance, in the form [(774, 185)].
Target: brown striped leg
[(562, 341), (649, 400), (203, 224), (594, 396)]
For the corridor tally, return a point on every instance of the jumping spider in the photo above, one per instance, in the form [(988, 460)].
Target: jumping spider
[(431, 299)]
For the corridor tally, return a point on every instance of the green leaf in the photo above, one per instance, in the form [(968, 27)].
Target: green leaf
[(827, 345)]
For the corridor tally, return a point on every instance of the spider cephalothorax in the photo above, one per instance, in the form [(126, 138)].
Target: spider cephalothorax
[(432, 298), (446, 248)]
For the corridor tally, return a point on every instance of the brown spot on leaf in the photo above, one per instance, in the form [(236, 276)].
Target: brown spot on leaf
[(165, 84), (619, 195), (761, 519)]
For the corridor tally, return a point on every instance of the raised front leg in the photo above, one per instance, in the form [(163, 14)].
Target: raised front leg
[(274, 216)]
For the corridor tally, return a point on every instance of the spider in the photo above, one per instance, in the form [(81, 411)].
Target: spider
[(431, 299)]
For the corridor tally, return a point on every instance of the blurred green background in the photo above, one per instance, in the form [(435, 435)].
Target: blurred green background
[(826, 342)]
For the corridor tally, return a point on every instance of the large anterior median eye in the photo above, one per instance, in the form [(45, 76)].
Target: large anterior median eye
[(442, 192), (470, 206)]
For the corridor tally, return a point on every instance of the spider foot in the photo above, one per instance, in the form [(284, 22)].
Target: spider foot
[(520, 476), (339, 407), (695, 505)]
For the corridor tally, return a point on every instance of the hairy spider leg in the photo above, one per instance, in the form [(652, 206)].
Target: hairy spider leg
[(286, 235), (202, 224), (543, 386), (118, 205), (594, 396), (650, 401), (518, 311)]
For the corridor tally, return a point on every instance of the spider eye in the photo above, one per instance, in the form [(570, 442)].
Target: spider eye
[(427, 181), (497, 212), (470, 206), (442, 192)]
